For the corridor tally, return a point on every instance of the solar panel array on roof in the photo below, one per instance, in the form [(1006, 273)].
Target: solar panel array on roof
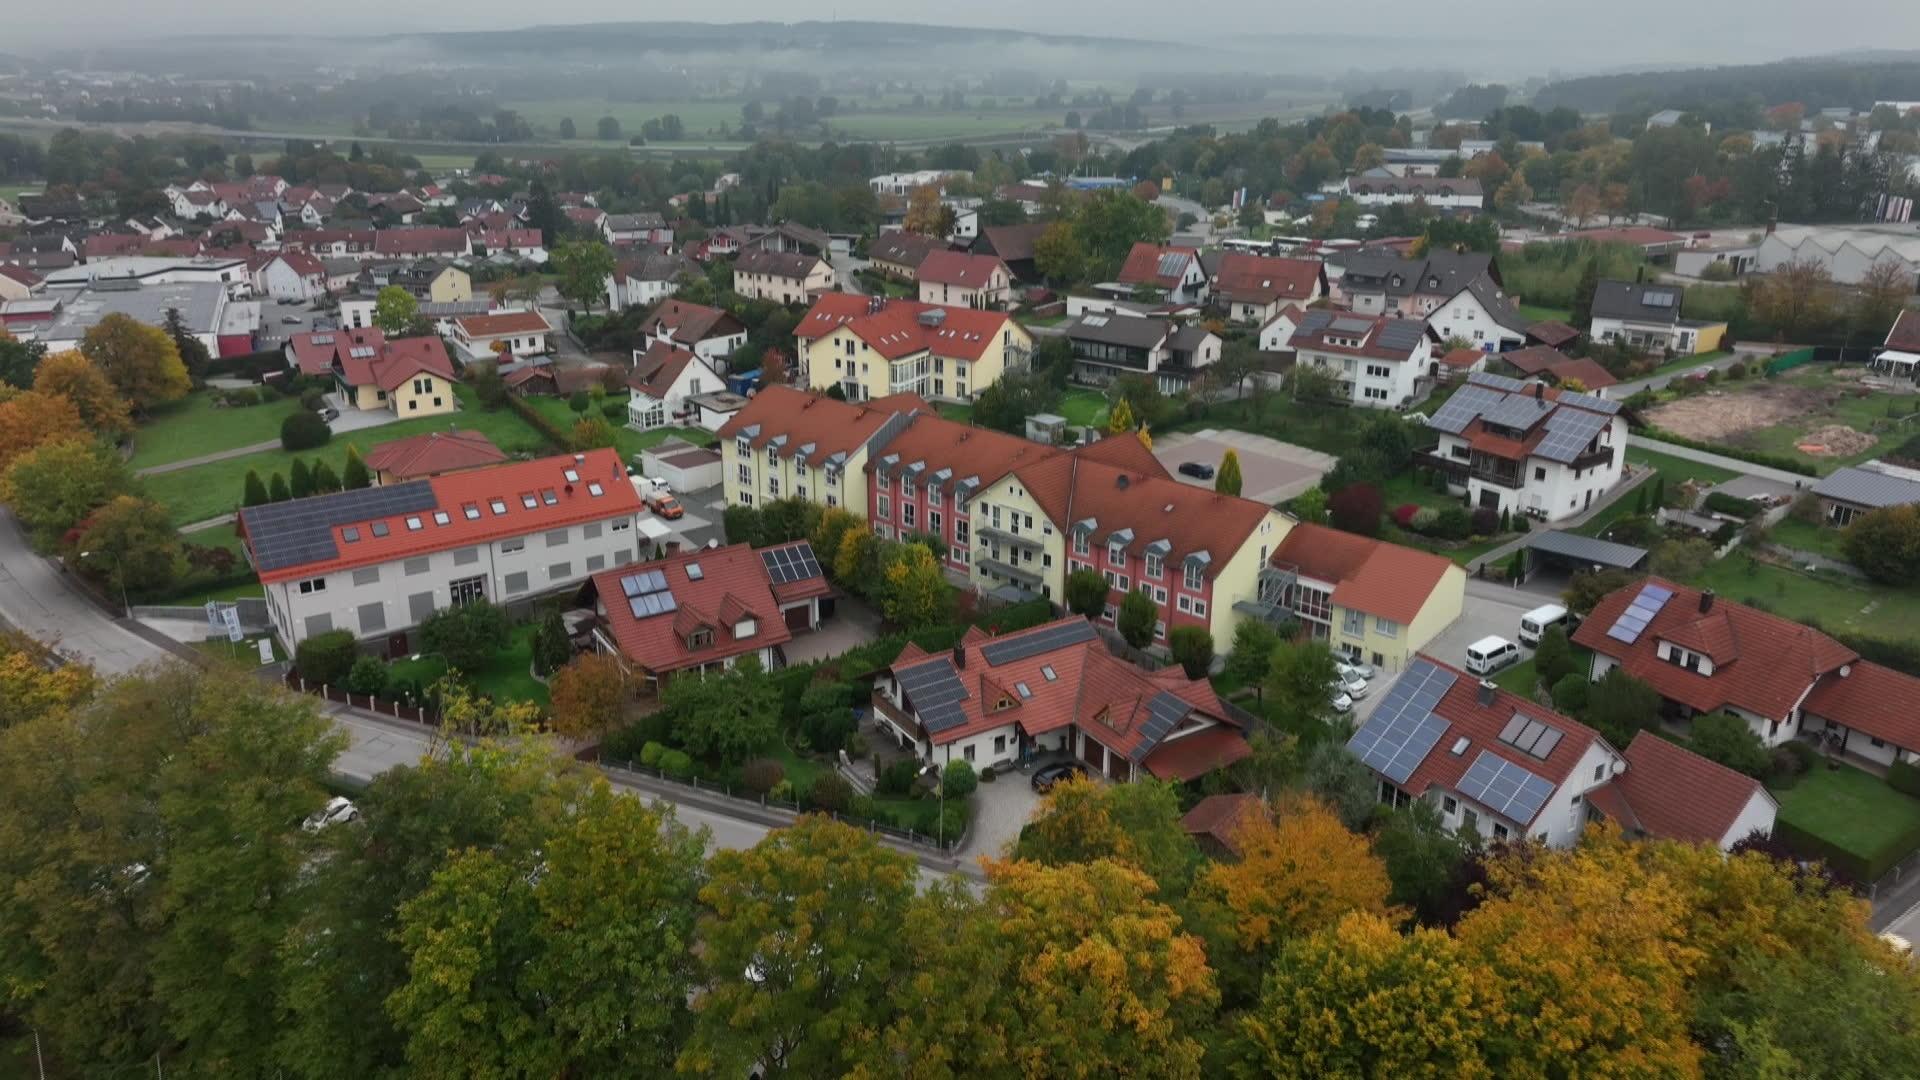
[(301, 531), (1463, 408), (1530, 736), (1568, 433), (1172, 264), (1400, 334), (1403, 729), (362, 352), (1589, 402), (1351, 325), (1659, 298), (1509, 790), (1517, 411), (933, 689), (794, 563), (1633, 621), (1164, 711), (1037, 642), (647, 594), (1497, 382)]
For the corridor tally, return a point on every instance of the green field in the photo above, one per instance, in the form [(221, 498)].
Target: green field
[(1083, 408), (1806, 536), (1682, 363), (207, 491), (1534, 314), (1837, 603), (1852, 809), (14, 191), (508, 678), (197, 425), (1677, 469)]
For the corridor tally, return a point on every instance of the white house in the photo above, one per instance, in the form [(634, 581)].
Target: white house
[(1647, 316), (782, 277), (524, 332), (642, 228), (292, 275), (964, 280), (1375, 361), (646, 281), (1107, 347), (1482, 314), (902, 184), (379, 561), (1458, 193), (1525, 448), (663, 378), (1277, 334), (709, 332)]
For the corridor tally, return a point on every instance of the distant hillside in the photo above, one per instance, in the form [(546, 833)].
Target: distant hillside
[(728, 37), (1824, 82)]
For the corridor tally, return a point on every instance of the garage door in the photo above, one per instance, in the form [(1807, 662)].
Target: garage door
[(797, 618)]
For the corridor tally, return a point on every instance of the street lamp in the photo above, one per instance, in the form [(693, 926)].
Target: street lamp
[(119, 579)]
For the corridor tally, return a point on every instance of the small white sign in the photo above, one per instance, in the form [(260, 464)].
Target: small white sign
[(230, 616), (214, 623), (266, 650)]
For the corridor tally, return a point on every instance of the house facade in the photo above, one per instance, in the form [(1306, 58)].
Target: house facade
[(1645, 316), (1523, 448), (898, 254), (662, 380), (1109, 346), (292, 275), (873, 347), (1849, 493), (1256, 288), (524, 333), (709, 332), (781, 277), (1376, 362), (379, 561), (1483, 315), (1176, 272), (1371, 602), (1458, 193), (1372, 283), (958, 279), (787, 443)]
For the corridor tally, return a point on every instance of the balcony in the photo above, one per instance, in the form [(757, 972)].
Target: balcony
[(1452, 468), (1025, 540), (893, 713), (1594, 459), (1009, 571), (1498, 479)]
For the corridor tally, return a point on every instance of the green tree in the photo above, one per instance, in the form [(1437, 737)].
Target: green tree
[(724, 718), (853, 559), (325, 482), (1299, 687), (583, 267), (1137, 824), (142, 361), (303, 430), (467, 637), (19, 360), (277, 490), (608, 129), (1886, 544), (135, 540), (1553, 659), (1583, 294), (1137, 618), (355, 475), (958, 780), (1730, 741), (800, 952), (1191, 648), (573, 959), (551, 646), (394, 310), (917, 593), (301, 483), (1251, 657), (53, 486), (1424, 861), (1086, 593), (1227, 480), (1619, 705), (1310, 506), (255, 493), (566, 127)]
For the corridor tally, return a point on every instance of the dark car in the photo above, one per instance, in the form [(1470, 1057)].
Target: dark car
[(1050, 775), (1199, 470)]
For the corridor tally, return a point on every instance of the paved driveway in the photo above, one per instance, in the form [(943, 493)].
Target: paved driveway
[(1001, 808), (853, 623), (1270, 471), (1491, 609)]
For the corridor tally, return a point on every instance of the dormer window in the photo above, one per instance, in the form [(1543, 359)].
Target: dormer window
[(745, 628), (1194, 578), (700, 639), (1080, 546), (1117, 555), (742, 447)]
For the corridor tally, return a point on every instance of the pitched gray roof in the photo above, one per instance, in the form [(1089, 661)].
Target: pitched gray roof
[(1637, 301), (1865, 487), (1440, 272), (1125, 330)]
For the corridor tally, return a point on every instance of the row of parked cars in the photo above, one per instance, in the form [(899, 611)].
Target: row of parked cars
[(1349, 685)]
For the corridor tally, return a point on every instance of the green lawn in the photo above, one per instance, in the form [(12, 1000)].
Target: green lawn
[(1410, 487), (1678, 469), (207, 491), (1083, 408), (1534, 314), (954, 411), (1521, 677), (1837, 603), (1806, 536), (197, 424), (1852, 809), (508, 678)]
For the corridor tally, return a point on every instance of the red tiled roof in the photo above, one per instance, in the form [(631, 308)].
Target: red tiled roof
[(1480, 725), (1071, 488), (1220, 816), (402, 360), (20, 274), (689, 324), (1263, 279), (503, 324), (1367, 575), (1463, 359), (314, 351), (1543, 360), (653, 374), (1675, 794), (830, 426), (1773, 662), (959, 268), (420, 241), (731, 585), (783, 264), (433, 453), (903, 248), (477, 487), (1905, 334), (1553, 332), (1195, 755), (1124, 452), (1873, 700), (302, 263), (1370, 344), (1143, 265), (102, 245), (894, 328), (967, 450)]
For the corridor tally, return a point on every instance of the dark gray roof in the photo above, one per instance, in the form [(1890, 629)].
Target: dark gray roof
[(1499, 305), (1188, 338), (1637, 301), (301, 531), (1126, 330), (1865, 487), (1587, 549), (1441, 272)]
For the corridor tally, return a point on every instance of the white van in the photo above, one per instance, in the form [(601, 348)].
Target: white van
[(1490, 654), (1535, 622)]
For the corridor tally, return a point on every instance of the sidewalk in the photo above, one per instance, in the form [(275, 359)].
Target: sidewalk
[(207, 459), (1779, 476)]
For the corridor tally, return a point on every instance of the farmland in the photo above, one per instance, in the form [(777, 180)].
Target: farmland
[(1824, 417)]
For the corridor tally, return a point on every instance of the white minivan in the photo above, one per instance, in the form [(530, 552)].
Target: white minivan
[(1490, 654), (1535, 622)]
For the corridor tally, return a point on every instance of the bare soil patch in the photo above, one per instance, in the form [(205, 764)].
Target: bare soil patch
[(1836, 440), (1718, 414)]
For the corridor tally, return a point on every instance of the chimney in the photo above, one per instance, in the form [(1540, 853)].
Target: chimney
[(1706, 601), (960, 657), (1539, 391), (1487, 690)]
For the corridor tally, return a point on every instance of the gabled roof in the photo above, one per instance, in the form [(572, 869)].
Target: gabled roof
[(1497, 304), (324, 534), (503, 324), (1675, 794), (1873, 700), (690, 324), (904, 248), (960, 269), (424, 241), (1868, 487), (1905, 333), (433, 453), (1124, 330), (314, 351), (1013, 243), (710, 590), (1763, 663), (1160, 265), (1437, 273), (301, 263), (1219, 817), (776, 264), (1638, 301), (1378, 337), (1370, 576), (897, 328), (656, 370), (1553, 333), (961, 451), (830, 427), (402, 360), (1263, 279), (1541, 360)]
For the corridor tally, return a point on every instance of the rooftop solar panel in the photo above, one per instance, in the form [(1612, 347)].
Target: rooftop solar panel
[(1589, 402), (1164, 712), (934, 691), (1646, 604), (1047, 639), (1568, 433), (1509, 790), (1520, 411), (1403, 729), (1402, 333), (301, 531), (1463, 408), (790, 563), (1496, 382)]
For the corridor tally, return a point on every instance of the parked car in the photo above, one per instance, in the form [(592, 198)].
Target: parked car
[(1045, 778), (1365, 671), (290, 320), (329, 414), (338, 810), (665, 505), (1354, 685), (1199, 470), (1341, 702)]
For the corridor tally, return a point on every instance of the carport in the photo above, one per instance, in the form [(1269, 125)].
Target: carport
[(1573, 553)]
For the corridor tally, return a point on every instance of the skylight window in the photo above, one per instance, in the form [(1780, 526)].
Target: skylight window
[(528, 500), (594, 489), (1023, 689), (440, 517), (380, 528), (573, 477), (499, 506), (1047, 670), (350, 534), (472, 510), (694, 573), (413, 523), (548, 496)]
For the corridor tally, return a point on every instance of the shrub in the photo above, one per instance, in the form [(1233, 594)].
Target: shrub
[(312, 399), (1904, 777), (325, 658), (1736, 371), (1570, 694), (1453, 523), (1356, 509), (241, 398), (782, 792), (304, 431), (1423, 519), (650, 754), (367, 676), (1730, 741), (831, 792), (989, 774), (1484, 521), (579, 401), (677, 764), (897, 778), (863, 808), (959, 781), (857, 747), (1192, 649), (1732, 505), (615, 411), (761, 774)]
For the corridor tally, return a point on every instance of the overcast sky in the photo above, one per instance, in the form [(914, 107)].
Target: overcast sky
[(1585, 34)]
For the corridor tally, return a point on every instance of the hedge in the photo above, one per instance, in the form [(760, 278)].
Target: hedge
[(1864, 868), (253, 365), (1904, 778), (560, 439), (1772, 461), (1731, 505)]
